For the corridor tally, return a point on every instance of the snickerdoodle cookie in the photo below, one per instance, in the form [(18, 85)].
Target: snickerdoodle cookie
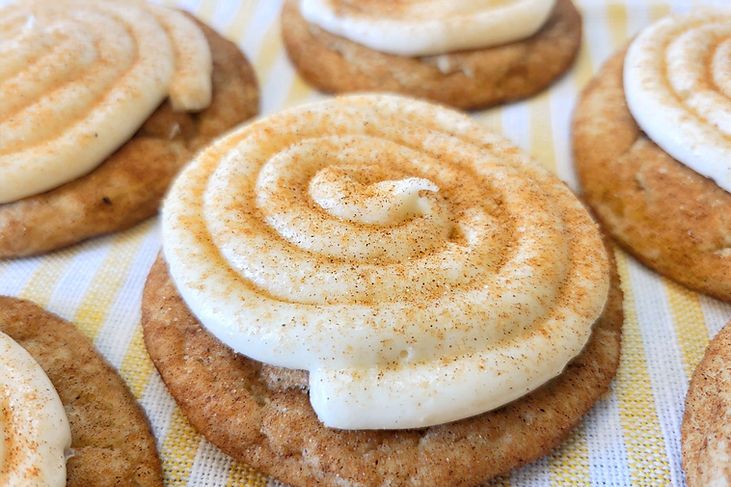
[(672, 212), (111, 442), (707, 420), (128, 96), (440, 51), (374, 290)]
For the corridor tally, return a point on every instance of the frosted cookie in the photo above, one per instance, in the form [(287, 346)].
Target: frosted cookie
[(707, 419), (101, 104), (364, 284), (85, 427), (651, 143), (462, 53)]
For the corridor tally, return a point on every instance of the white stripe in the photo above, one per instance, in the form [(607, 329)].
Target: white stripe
[(78, 274), (159, 407), (664, 360), (277, 84), (535, 474), (516, 121), (124, 314), (210, 466), (561, 103), (716, 314), (14, 274), (608, 464), (266, 13)]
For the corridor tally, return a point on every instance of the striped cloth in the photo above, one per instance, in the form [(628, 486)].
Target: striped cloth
[(630, 437)]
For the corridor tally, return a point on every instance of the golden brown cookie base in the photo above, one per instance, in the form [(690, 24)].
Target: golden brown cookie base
[(707, 420), (111, 440), (128, 186), (262, 416), (475, 79), (670, 217)]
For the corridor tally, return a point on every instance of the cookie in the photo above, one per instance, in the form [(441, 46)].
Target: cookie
[(127, 187), (468, 79), (261, 415), (111, 440), (707, 420), (671, 218)]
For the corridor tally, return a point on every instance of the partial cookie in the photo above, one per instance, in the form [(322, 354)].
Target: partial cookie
[(670, 217), (707, 420), (261, 415), (111, 440), (468, 79), (128, 186)]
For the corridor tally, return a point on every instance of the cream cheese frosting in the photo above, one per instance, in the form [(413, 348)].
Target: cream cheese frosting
[(79, 77), (677, 80), (428, 27), (34, 429), (418, 266)]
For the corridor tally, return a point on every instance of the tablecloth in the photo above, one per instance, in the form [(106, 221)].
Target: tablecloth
[(631, 437)]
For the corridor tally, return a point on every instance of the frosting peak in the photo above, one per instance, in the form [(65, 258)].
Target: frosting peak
[(419, 267), (386, 202)]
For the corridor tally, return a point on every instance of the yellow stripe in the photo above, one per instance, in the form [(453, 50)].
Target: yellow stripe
[(584, 67), (43, 281), (685, 308), (107, 281), (492, 119), (240, 474), (298, 92), (541, 145), (271, 46), (178, 450), (569, 464), (617, 22), (659, 10), (643, 437), (137, 367)]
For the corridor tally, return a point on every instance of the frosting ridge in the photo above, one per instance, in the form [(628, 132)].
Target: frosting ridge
[(428, 27), (677, 80), (79, 77), (418, 266)]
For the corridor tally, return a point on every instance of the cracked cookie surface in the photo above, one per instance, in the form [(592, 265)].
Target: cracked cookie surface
[(468, 79), (671, 218)]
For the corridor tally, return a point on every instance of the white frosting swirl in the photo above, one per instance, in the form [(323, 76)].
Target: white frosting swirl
[(79, 77), (34, 429), (427, 27), (418, 266), (677, 80)]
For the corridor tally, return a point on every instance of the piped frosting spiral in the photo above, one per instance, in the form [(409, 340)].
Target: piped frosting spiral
[(419, 267), (677, 80), (79, 77)]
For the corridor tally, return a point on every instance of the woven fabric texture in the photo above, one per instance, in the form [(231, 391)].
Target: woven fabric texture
[(631, 437)]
